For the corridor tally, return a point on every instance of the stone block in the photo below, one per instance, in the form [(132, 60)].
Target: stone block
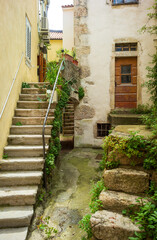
[(118, 201), (123, 159), (80, 11), (112, 226), (85, 72), (84, 112), (126, 180), (154, 177)]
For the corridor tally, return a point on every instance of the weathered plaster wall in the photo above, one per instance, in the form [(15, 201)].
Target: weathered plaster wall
[(98, 26), (55, 46), (12, 44), (68, 28)]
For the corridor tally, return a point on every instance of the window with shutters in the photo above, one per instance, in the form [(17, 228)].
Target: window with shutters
[(28, 40)]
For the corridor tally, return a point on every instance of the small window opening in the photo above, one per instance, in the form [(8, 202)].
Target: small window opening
[(103, 129), (123, 47), (126, 73), (116, 2)]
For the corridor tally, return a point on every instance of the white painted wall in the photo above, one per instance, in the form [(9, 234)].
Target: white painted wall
[(107, 25), (68, 28)]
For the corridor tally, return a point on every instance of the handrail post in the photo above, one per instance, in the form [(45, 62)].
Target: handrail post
[(43, 130)]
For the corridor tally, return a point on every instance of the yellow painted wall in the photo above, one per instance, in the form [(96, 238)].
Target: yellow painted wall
[(55, 46), (13, 44)]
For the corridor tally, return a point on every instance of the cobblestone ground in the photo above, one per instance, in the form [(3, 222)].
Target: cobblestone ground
[(70, 194)]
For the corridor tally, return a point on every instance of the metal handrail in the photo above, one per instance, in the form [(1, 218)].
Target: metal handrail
[(11, 86), (43, 131)]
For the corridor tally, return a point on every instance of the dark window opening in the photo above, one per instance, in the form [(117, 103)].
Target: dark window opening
[(116, 2), (126, 74), (103, 129), (123, 47)]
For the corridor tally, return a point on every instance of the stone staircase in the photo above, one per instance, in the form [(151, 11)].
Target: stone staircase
[(124, 186), (68, 120), (21, 171)]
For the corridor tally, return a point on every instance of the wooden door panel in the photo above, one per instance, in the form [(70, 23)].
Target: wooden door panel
[(126, 105), (126, 82), (134, 79), (126, 89), (118, 80), (126, 98)]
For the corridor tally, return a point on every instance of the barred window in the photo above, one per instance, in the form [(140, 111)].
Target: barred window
[(103, 129)]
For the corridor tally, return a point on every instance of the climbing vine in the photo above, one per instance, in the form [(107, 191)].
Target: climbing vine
[(94, 205), (63, 97)]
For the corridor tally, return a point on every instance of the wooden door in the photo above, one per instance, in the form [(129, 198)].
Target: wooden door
[(126, 82)]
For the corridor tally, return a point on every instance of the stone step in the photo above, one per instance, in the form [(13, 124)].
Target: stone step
[(32, 120), (20, 178), (17, 164), (69, 110), (24, 151), (33, 91), (69, 113), (27, 139), (39, 84), (32, 97), (13, 233), (125, 119), (33, 112), (30, 129), (68, 128), (34, 105), (18, 196), (68, 132), (18, 216), (126, 180), (118, 201), (67, 117), (108, 225), (69, 123)]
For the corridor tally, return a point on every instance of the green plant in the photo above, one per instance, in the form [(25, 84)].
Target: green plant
[(142, 109), (25, 85), (95, 203), (81, 93), (44, 226), (84, 224), (5, 156), (133, 146), (61, 52), (41, 195), (146, 218), (112, 164), (50, 159), (73, 53), (18, 124)]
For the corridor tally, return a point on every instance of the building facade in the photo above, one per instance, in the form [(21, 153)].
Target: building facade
[(56, 43), (21, 24), (68, 26), (113, 56)]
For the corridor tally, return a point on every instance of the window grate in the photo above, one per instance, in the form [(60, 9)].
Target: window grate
[(103, 129), (123, 47)]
